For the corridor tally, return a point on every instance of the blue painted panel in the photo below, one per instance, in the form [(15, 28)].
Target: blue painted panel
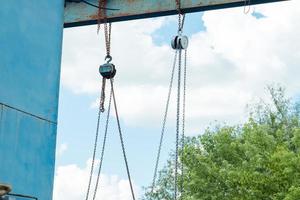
[(27, 155), (9, 197), (30, 55), (12, 197)]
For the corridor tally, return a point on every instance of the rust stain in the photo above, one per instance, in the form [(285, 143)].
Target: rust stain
[(94, 16), (131, 1)]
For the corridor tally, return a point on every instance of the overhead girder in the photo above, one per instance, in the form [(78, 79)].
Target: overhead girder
[(78, 13)]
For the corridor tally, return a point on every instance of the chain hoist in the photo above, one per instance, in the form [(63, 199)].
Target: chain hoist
[(179, 43), (107, 71)]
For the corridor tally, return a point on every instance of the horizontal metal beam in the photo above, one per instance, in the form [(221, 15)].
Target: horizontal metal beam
[(78, 13)]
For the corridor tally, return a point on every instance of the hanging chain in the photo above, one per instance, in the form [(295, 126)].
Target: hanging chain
[(183, 125), (177, 125), (107, 34), (103, 146), (94, 153), (178, 3), (180, 28), (164, 122), (121, 139), (102, 97), (101, 12), (181, 17)]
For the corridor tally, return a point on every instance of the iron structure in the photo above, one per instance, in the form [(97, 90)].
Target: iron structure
[(30, 60), (78, 13)]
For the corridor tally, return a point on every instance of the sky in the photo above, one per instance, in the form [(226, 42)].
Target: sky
[(232, 57)]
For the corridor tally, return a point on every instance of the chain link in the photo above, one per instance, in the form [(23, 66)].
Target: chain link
[(121, 139), (103, 146), (107, 33), (164, 122)]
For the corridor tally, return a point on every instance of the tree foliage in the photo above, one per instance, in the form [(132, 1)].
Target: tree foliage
[(257, 160)]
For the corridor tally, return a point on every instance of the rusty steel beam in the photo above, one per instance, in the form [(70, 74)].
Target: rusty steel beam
[(78, 13)]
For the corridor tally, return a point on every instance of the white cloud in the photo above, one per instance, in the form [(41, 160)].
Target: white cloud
[(61, 149), (71, 183), (229, 64)]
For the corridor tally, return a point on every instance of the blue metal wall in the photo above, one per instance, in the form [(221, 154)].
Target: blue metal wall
[(30, 56)]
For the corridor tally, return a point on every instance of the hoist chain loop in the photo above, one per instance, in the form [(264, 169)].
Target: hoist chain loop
[(164, 122), (183, 125), (102, 97), (121, 139), (180, 28), (103, 146), (177, 124), (94, 152), (108, 58)]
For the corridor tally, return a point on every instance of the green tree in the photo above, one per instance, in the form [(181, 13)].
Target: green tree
[(257, 160)]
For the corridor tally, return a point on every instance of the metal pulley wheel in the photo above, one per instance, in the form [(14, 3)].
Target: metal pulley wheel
[(108, 70), (180, 42)]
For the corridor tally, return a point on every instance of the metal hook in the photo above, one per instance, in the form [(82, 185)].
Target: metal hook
[(108, 59)]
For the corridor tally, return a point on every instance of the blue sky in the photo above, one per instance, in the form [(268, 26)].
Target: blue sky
[(77, 123), (232, 58)]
